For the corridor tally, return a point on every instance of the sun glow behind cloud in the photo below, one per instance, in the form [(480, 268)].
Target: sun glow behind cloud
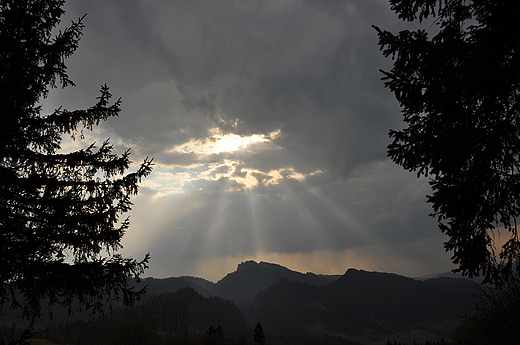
[(219, 142), (168, 178)]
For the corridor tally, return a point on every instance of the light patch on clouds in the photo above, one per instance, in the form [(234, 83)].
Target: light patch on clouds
[(218, 142), (165, 182), (173, 178)]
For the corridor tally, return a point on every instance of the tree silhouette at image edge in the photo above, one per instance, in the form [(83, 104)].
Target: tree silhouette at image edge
[(459, 92), (60, 225)]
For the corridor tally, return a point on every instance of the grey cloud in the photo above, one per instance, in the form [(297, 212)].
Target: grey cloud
[(309, 68)]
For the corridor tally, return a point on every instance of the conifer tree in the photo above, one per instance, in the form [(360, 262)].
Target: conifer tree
[(459, 92), (60, 225), (258, 335)]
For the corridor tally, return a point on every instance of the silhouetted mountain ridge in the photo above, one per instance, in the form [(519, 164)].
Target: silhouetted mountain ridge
[(250, 278), (157, 286), (359, 301), (354, 304), (240, 286)]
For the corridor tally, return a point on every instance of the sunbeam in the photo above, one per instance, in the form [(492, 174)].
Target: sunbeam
[(308, 224), (350, 223), (258, 223)]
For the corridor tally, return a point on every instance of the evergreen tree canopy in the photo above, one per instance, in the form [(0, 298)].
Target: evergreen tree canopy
[(258, 334), (497, 317), (459, 92), (60, 212)]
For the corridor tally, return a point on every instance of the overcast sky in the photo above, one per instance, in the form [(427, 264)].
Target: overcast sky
[(268, 122)]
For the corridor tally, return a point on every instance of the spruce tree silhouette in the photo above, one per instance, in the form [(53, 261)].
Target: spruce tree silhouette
[(459, 92), (59, 212), (258, 335)]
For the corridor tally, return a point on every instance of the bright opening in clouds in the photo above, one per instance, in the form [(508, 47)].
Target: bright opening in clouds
[(218, 142), (232, 168), (268, 123)]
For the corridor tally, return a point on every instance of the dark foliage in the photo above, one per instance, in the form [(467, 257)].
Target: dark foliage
[(459, 92), (436, 342), (203, 312), (302, 340), (258, 334), (214, 336), (184, 317), (497, 320), (59, 211)]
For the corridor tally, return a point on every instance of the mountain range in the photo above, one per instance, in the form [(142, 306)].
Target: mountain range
[(241, 286), (357, 305)]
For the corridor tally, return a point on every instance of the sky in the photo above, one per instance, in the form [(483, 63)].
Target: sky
[(268, 123)]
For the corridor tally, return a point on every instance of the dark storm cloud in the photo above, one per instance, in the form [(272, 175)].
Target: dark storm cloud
[(307, 68)]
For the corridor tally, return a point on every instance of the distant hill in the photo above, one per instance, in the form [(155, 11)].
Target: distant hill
[(241, 286), (157, 286), (362, 302), (201, 312), (449, 275), (250, 278)]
